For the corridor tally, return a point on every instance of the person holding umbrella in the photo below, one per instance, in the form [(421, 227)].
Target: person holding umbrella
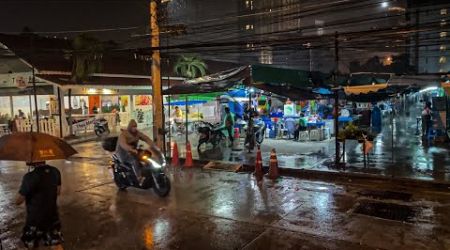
[(41, 186), (40, 189)]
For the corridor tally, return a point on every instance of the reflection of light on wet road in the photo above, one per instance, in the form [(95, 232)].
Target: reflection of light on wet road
[(148, 237), (322, 188), (221, 203), (322, 204), (161, 229)]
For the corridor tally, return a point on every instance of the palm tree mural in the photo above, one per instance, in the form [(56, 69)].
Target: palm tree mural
[(87, 55), (190, 66)]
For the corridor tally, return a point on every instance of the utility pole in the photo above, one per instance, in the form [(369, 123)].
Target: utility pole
[(158, 119), (336, 100), (35, 101)]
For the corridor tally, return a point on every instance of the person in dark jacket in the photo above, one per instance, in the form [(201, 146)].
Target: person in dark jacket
[(39, 190)]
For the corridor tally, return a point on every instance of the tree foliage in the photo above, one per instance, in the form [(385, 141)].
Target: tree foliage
[(400, 65), (87, 55), (190, 66)]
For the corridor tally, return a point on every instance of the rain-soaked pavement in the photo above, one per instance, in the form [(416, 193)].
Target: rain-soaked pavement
[(222, 210)]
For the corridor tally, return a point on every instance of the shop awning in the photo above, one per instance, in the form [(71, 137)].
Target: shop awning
[(218, 82), (358, 79), (295, 94), (65, 81), (364, 89), (415, 80), (274, 76), (40, 90), (371, 97)]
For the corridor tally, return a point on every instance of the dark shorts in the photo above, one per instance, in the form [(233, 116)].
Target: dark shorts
[(33, 236)]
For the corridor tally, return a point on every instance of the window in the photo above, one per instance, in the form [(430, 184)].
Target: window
[(249, 27), (320, 31), (443, 22), (443, 48), (266, 56), (249, 4), (443, 34), (442, 59), (443, 11)]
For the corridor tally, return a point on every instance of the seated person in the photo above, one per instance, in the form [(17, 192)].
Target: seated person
[(302, 125)]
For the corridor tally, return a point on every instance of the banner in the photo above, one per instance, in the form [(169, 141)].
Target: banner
[(81, 125), (20, 82)]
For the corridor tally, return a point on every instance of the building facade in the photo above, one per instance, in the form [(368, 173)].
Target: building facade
[(430, 45)]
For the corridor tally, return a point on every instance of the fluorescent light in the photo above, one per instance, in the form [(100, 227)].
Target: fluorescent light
[(107, 91), (428, 89), (384, 4)]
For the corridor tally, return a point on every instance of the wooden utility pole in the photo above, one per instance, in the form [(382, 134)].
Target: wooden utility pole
[(158, 119), (336, 101)]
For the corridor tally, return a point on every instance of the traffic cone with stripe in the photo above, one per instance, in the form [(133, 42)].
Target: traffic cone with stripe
[(258, 166), (188, 163), (273, 166), (175, 155), (236, 140)]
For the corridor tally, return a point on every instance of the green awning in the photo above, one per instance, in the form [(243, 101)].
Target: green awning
[(272, 75)]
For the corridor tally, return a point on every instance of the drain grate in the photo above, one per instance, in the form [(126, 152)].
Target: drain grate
[(386, 195), (224, 166), (387, 211)]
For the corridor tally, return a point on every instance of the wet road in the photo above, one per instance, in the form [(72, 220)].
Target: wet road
[(221, 210)]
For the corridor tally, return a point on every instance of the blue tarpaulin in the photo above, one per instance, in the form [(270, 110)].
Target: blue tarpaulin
[(238, 93), (322, 91)]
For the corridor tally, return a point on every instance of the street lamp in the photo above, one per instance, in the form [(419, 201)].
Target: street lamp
[(384, 4)]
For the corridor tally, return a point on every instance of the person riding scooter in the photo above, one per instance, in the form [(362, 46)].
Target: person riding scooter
[(127, 145)]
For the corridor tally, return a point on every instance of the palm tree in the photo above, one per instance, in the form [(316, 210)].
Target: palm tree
[(190, 66), (87, 55)]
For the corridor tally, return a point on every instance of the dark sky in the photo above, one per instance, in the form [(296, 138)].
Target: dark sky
[(63, 15)]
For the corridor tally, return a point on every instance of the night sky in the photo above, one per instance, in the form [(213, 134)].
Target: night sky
[(67, 15)]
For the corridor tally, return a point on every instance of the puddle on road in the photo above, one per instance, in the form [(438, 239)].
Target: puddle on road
[(387, 211), (386, 195)]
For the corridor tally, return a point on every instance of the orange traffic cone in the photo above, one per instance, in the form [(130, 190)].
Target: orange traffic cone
[(175, 155), (236, 140), (258, 166), (273, 165), (188, 162)]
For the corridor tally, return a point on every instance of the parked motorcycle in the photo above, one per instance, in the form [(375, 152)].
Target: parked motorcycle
[(209, 134), (101, 127), (258, 132), (152, 170)]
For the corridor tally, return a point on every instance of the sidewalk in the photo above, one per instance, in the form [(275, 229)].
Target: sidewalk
[(408, 157)]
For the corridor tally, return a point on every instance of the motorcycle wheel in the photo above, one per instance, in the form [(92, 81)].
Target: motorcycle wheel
[(98, 132), (118, 180), (164, 186), (260, 138), (201, 148)]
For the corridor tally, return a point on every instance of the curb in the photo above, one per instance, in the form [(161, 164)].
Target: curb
[(343, 176), (79, 141)]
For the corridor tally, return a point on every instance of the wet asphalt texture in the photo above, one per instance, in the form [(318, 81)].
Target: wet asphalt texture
[(223, 210)]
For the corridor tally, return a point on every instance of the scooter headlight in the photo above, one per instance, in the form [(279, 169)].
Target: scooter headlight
[(155, 164)]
